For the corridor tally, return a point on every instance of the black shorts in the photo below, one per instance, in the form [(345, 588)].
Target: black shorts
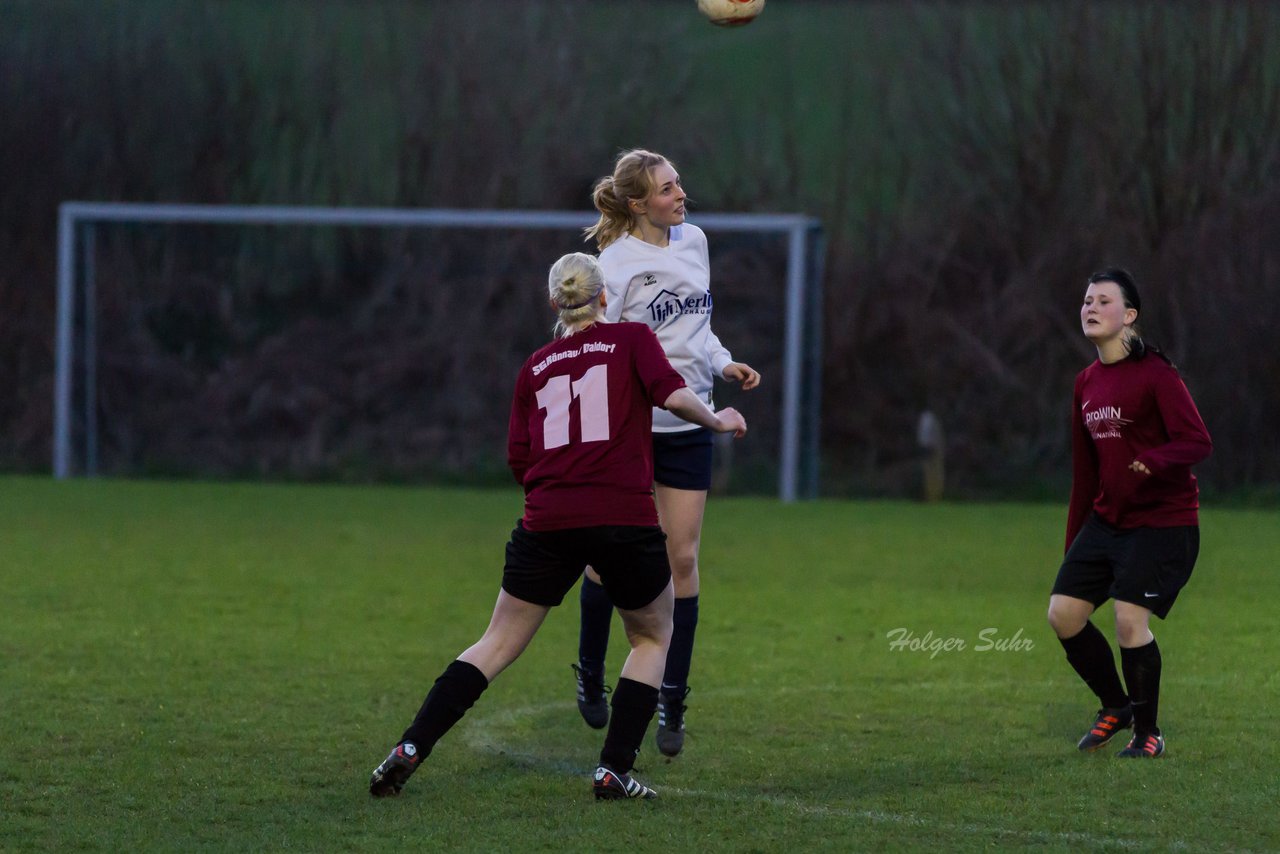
[(683, 460), (1142, 566), (542, 566)]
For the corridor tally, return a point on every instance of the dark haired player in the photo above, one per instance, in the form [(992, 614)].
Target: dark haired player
[(1132, 524), (579, 442)]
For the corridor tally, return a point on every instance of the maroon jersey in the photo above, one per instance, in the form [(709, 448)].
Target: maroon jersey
[(580, 440), (1134, 410)]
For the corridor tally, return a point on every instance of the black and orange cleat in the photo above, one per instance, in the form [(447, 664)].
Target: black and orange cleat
[(1108, 723), (1144, 745), (389, 777), (609, 785)]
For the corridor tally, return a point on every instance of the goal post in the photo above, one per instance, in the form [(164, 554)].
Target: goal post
[(76, 333)]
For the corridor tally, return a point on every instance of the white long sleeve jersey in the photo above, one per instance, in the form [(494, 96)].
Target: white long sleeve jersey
[(669, 288)]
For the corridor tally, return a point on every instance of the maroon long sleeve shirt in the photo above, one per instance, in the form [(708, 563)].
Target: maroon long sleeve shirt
[(1134, 410)]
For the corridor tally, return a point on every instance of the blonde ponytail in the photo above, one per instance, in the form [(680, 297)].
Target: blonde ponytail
[(616, 218), (632, 178)]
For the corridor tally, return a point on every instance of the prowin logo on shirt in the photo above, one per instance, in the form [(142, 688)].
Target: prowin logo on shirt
[(1104, 422), (667, 305)]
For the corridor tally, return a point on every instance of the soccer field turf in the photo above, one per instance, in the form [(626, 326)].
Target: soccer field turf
[(220, 666)]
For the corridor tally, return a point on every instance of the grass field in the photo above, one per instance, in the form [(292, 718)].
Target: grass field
[(213, 666)]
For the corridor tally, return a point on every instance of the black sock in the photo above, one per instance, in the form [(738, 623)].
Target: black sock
[(593, 636), (1090, 654), (455, 691), (1142, 674), (680, 656), (633, 706)]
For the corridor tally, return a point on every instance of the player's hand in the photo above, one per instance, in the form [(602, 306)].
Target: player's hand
[(741, 372), (731, 421), (1139, 468)]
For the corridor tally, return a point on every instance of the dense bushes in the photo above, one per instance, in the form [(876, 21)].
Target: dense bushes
[(972, 162)]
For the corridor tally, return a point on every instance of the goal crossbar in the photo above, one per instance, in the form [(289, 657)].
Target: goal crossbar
[(801, 357)]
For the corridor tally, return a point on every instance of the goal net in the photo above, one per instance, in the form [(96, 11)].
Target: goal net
[(376, 344)]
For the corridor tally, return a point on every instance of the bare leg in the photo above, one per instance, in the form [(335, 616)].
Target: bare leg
[(680, 513), (1067, 614), (649, 633), (1133, 625), (513, 625)]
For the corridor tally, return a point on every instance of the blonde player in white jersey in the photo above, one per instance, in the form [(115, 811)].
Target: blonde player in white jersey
[(657, 271)]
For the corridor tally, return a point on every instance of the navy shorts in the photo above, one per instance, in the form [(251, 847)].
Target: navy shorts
[(683, 460), (542, 566), (1142, 566)]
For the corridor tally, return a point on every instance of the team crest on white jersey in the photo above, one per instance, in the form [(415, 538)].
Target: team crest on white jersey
[(667, 305)]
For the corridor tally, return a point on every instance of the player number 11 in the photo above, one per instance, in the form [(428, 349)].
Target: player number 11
[(592, 391)]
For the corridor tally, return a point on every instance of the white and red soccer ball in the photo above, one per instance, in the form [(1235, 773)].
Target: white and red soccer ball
[(730, 13)]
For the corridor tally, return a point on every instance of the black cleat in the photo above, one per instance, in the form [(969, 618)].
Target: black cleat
[(389, 777), (670, 734), (591, 701), (1105, 727), (609, 785), (1146, 745)]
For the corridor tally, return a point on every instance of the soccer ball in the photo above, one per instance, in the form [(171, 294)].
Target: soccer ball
[(730, 13)]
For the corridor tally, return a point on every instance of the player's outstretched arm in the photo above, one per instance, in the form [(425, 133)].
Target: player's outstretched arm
[(688, 406)]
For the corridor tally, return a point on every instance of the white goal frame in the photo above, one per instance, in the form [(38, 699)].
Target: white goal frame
[(802, 357)]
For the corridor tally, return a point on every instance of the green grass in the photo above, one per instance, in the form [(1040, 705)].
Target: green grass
[(217, 666)]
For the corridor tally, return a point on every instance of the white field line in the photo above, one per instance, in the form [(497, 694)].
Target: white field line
[(910, 820), (481, 733)]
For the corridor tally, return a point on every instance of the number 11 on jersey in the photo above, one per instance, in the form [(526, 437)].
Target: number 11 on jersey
[(592, 392)]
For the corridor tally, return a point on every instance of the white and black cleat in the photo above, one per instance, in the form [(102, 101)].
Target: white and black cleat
[(609, 785)]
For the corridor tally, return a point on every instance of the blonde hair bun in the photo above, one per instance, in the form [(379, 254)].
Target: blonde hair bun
[(574, 285)]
